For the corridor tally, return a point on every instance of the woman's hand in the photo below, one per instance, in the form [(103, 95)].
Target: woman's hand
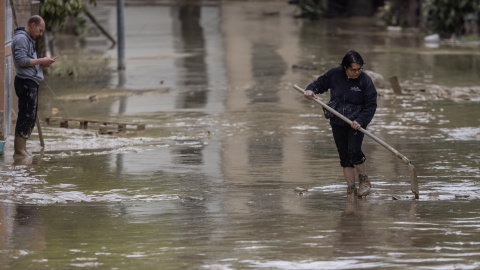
[(355, 125), (309, 94)]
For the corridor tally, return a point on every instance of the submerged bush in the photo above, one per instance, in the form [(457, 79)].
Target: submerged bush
[(447, 16), (311, 9)]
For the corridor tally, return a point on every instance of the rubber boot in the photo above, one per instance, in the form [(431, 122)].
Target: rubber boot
[(22, 160), (20, 147), (364, 185)]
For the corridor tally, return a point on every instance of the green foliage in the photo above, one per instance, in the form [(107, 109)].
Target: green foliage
[(387, 13), (312, 9), (446, 16), (55, 12)]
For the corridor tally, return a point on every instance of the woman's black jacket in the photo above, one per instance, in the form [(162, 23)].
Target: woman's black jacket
[(357, 97)]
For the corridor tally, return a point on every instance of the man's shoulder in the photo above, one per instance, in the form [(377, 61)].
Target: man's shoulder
[(20, 37), (20, 34)]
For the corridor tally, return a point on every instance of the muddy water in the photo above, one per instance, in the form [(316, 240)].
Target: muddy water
[(210, 183)]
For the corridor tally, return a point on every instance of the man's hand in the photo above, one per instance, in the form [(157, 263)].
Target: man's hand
[(309, 94), (46, 62)]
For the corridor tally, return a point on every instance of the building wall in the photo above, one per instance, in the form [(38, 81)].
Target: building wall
[(2, 70), (23, 10)]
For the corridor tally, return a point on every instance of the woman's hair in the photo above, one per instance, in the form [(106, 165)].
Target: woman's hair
[(352, 57)]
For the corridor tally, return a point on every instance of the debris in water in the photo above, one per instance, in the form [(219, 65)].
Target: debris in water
[(93, 98), (192, 198), (271, 13), (398, 198), (102, 129), (303, 67), (410, 90), (434, 196), (394, 28), (435, 38), (462, 195), (300, 190)]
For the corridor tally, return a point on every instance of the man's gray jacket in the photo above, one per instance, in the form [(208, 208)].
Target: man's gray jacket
[(23, 49)]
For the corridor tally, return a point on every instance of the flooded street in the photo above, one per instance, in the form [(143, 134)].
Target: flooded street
[(210, 183)]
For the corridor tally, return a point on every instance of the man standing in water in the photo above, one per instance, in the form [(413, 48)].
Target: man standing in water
[(357, 101), (27, 80)]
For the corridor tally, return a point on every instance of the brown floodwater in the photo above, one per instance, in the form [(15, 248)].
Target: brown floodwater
[(210, 183)]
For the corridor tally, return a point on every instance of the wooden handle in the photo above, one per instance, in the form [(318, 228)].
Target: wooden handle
[(40, 134)]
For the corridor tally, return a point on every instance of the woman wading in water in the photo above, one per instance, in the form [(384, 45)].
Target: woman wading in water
[(357, 100)]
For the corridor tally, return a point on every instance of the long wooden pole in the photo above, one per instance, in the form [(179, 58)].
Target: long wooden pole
[(413, 173), (40, 134)]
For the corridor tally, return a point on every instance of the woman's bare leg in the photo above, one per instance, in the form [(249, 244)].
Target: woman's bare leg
[(361, 168), (349, 174)]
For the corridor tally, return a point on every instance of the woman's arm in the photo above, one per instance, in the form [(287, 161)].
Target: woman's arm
[(369, 103)]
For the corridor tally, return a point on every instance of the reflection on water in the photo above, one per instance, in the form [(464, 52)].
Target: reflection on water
[(192, 42), (210, 184)]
